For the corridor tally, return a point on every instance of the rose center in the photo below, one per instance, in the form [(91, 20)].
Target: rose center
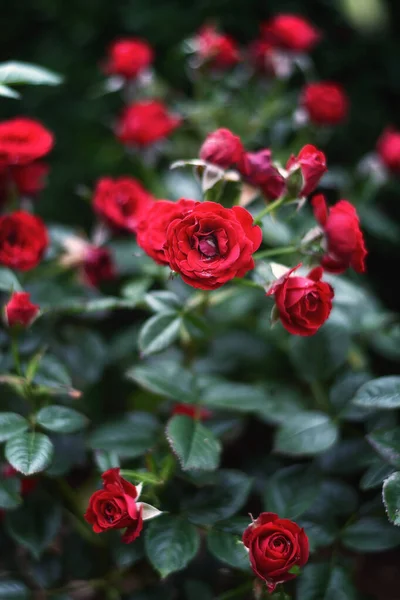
[(109, 512), (279, 543), (208, 246)]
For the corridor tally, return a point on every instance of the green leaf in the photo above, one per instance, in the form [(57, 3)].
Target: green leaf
[(318, 356), (306, 434), (387, 443), (391, 497), (132, 435), (375, 475), (228, 549), (280, 401), (14, 72), (321, 582), (34, 525), (162, 301), (8, 92), (126, 555), (171, 543), (52, 372), (371, 534), (8, 281), (9, 493), (347, 456), (167, 379), (195, 446), (106, 460), (291, 491), (10, 589), (335, 498), (61, 419), (343, 391), (238, 397), (159, 332), (29, 453), (320, 535), (11, 424), (381, 393)]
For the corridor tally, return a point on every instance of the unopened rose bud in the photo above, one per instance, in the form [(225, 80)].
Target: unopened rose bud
[(20, 311)]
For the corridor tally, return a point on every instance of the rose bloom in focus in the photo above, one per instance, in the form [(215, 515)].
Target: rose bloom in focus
[(128, 57), (275, 546), (19, 310), (290, 32), (146, 122), (23, 240), (326, 103), (218, 50), (388, 148)]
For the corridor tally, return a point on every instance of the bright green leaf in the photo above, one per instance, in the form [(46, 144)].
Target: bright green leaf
[(14, 72), (391, 497), (195, 446), (61, 419), (29, 453), (166, 379), (11, 424), (238, 397), (228, 549), (8, 281), (159, 332), (381, 393)]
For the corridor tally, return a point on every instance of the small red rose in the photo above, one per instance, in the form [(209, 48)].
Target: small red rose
[(128, 57), (212, 244), (259, 172), (326, 103), (152, 230), (218, 50), (275, 546), (23, 140), (223, 148), (116, 506), (290, 32), (19, 310), (23, 240), (303, 303), (345, 245), (192, 411), (122, 202), (30, 179), (144, 123), (98, 265), (388, 148), (312, 164)]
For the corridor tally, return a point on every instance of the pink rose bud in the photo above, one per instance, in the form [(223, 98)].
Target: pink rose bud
[(20, 311)]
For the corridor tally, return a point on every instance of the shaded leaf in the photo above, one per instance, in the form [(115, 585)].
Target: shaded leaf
[(194, 444), (391, 497), (306, 434), (29, 453)]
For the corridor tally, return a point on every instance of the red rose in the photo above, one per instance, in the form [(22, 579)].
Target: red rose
[(121, 202), (145, 122), (222, 148), (218, 50), (275, 547), (344, 238), (212, 244), (303, 303), (23, 240), (19, 310), (388, 148), (97, 265), (128, 57), (326, 103), (152, 230), (30, 179), (259, 172), (290, 32), (28, 484), (116, 506), (192, 411), (23, 140), (312, 163)]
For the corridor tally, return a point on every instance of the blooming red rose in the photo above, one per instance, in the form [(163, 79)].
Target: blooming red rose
[(222, 148), (28, 484), (19, 310), (152, 230), (218, 50), (326, 103), (192, 411), (303, 303), (121, 202), (344, 239), (312, 163), (30, 179), (145, 122), (259, 172), (388, 148), (275, 546), (23, 240), (23, 140), (116, 506), (128, 57), (290, 32), (98, 265), (212, 244)]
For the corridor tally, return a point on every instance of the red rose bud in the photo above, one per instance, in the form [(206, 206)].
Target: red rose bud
[(152, 230), (312, 164), (388, 148), (23, 140), (144, 123), (259, 172), (218, 50), (19, 310), (290, 32), (326, 103), (222, 148), (98, 265), (23, 240), (28, 484), (128, 58), (212, 244), (192, 411), (122, 202), (303, 303), (344, 239), (116, 506), (30, 179), (275, 547)]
